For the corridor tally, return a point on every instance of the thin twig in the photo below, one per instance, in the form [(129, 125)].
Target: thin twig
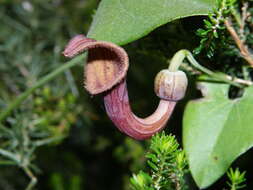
[(33, 179), (241, 81), (243, 48), (23, 70), (244, 19)]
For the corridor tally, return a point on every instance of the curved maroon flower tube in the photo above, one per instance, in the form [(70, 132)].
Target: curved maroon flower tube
[(105, 73), (118, 109)]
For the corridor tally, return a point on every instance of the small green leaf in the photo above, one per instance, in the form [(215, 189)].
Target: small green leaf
[(152, 157), (141, 181), (215, 33), (216, 130), (152, 165), (123, 21), (207, 23)]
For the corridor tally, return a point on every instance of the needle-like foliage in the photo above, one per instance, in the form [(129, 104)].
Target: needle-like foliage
[(167, 163)]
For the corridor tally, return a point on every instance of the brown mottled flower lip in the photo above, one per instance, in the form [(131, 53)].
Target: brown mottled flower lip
[(105, 72), (107, 63)]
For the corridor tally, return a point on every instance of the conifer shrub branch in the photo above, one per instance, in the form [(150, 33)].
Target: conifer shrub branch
[(167, 163), (230, 27), (236, 179)]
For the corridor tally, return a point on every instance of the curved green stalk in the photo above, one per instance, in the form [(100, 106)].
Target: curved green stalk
[(182, 54), (41, 82)]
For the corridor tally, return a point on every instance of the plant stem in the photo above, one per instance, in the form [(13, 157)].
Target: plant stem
[(211, 73), (157, 177), (178, 58), (242, 47), (38, 84), (33, 179)]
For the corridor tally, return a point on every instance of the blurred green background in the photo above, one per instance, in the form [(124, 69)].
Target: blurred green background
[(89, 152)]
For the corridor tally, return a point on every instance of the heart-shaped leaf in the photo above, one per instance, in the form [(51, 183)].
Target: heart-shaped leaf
[(123, 21), (216, 130)]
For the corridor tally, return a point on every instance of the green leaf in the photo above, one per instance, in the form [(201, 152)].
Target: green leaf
[(123, 21), (216, 130), (141, 181), (152, 165)]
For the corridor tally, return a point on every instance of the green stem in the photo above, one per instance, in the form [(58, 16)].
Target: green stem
[(210, 73), (33, 179), (41, 82), (178, 58)]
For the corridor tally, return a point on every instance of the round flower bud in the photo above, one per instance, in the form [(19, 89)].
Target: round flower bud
[(170, 85)]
